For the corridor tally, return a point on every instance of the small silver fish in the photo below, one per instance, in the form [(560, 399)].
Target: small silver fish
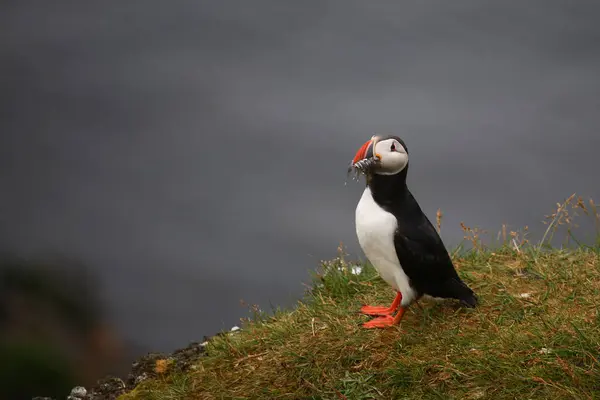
[(362, 167)]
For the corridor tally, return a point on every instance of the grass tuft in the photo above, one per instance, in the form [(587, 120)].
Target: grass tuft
[(535, 334)]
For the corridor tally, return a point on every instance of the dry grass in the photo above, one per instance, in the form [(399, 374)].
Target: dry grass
[(535, 335)]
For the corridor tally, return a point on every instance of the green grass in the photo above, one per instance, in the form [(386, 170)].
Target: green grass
[(535, 335)]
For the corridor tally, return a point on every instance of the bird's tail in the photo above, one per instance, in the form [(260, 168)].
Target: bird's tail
[(470, 300), (462, 292)]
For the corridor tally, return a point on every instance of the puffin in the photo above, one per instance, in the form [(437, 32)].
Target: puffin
[(397, 237)]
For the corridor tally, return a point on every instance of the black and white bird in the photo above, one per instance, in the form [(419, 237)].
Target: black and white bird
[(397, 237)]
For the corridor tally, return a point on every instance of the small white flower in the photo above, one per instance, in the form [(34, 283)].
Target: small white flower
[(235, 328), (356, 270)]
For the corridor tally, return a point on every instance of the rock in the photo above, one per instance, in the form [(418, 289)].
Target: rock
[(77, 393), (140, 379), (186, 357), (108, 388), (144, 367)]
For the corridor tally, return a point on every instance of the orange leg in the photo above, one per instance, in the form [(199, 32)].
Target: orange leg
[(386, 320), (374, 310)]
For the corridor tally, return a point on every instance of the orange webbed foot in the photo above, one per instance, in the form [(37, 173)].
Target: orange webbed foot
[(378, 310), (374, 310), (385, 321), (381, 322)]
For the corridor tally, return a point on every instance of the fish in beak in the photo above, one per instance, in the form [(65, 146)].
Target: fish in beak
[(365, 159)]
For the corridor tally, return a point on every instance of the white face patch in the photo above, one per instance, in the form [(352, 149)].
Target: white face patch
[(392, 157)]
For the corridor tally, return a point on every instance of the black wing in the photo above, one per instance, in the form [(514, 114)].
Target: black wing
[(427, 263)]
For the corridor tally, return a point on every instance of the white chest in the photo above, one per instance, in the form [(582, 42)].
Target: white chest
[(375, 230)]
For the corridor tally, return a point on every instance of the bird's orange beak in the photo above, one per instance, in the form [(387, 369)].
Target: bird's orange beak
[(366, 150)]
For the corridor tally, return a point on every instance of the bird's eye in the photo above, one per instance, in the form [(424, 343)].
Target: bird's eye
[(393, 148)]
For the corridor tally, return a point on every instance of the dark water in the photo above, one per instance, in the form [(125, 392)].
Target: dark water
[(193, 154)]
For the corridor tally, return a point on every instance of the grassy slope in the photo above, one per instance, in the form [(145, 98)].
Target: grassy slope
[(535, 335)]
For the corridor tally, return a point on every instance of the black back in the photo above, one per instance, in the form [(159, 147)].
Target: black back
[(420, 249)]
